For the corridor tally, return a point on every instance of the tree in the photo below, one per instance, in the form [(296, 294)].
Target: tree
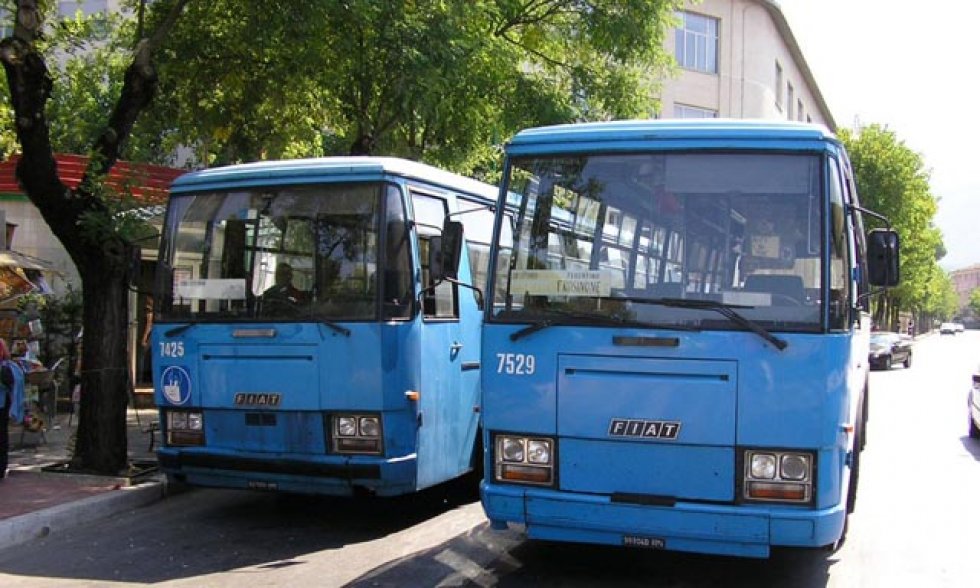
[(974, 302), (443, 82), (83, 219), (891, 180)]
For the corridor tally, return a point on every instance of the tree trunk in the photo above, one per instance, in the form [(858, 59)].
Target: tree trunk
[(101, 444)]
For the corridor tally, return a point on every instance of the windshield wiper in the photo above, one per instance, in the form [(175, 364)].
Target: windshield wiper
[(178, 330), (726, 310), (338, 328), (565, 317)]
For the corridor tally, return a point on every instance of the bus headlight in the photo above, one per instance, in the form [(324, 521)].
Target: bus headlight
[(794, 467), (185, 427), (346, 426), (369, 427), (526, 460), (778, 476), (539, 451), (763, 466), (355, 434), (512, 449)]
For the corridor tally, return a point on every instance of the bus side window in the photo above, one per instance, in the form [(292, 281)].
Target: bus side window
[(438, 300)]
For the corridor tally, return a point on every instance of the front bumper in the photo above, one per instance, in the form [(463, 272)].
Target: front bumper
[(333, 475), (747, 531)]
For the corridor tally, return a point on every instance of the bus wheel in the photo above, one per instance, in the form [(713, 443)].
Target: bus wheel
[(855, 473), (476, 462), (863, 431)]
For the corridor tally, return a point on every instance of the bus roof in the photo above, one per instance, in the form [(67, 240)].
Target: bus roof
[(306, 171), (573, 137)]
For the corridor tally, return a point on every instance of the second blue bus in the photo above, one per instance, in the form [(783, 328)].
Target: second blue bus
[(302, 341), (677, 355)]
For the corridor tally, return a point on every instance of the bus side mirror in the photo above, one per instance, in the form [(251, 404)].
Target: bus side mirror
[(445, 252), (883, 257)]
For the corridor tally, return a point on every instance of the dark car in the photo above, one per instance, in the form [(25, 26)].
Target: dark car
[(973, 406), (888, 349)]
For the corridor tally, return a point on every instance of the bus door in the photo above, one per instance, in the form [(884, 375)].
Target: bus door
[(440, 434)]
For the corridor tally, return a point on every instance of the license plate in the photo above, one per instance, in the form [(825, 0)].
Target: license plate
[(256, 485), (643, 542)]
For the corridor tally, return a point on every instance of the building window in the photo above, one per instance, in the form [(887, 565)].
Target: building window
[(789, 101), (685, 111), (779, 86), (696, 42), (799, 110), (6, 23)]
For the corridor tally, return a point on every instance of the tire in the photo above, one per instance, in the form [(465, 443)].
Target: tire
[(908, 361), (863, 433), (851, 493), (974, 429), (855, 474)]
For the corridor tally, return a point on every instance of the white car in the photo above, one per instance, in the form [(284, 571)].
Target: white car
[(947, 329), (973, 406), (959, 327)]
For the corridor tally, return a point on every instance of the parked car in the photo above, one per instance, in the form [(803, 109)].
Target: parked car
[(888, 349), (947, 329), (959, 327), (973, 406)]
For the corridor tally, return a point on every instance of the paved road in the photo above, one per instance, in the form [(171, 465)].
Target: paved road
[(920, 475)]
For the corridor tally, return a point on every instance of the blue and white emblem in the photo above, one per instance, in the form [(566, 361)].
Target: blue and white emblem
[(176, 384)]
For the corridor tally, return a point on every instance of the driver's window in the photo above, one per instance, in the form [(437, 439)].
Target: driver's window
[(438, 299), (838, 249)]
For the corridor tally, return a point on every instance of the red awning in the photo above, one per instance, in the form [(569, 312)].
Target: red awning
[(147, 183)]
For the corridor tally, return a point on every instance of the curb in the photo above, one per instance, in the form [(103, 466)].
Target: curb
[(35, 525)]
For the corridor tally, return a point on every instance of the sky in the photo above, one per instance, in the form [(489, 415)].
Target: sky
[(911, 67)]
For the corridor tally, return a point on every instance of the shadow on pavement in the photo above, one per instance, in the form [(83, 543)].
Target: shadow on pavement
[(207, 531), (483, 557)]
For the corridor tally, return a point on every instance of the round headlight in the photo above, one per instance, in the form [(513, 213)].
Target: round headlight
[(370, 427), (794, 467), (763, 466), (512, 449), (538, 451), (346, 426)]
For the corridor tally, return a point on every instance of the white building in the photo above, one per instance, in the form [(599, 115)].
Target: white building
[(739, 59)]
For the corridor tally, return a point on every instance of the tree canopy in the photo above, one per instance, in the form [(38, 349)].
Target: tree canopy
[(443, 82), (892, 180)]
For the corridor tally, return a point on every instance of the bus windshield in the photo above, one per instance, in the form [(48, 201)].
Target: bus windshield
[(617, 235), (284, 253)]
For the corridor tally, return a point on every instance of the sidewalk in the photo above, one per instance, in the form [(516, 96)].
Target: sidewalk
[(36, 499)]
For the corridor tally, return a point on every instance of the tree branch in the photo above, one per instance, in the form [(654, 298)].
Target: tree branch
[(139, 86)]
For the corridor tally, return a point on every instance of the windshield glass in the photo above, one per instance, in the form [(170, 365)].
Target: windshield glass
[(289, 253), (612, 233)]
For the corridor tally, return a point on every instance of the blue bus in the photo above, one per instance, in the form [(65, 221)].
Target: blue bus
[(306, 339), (676, 355)]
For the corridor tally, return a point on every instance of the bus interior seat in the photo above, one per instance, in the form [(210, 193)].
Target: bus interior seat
[(783, 285)]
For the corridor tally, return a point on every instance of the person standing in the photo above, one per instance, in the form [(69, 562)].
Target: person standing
[(11, 401)]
